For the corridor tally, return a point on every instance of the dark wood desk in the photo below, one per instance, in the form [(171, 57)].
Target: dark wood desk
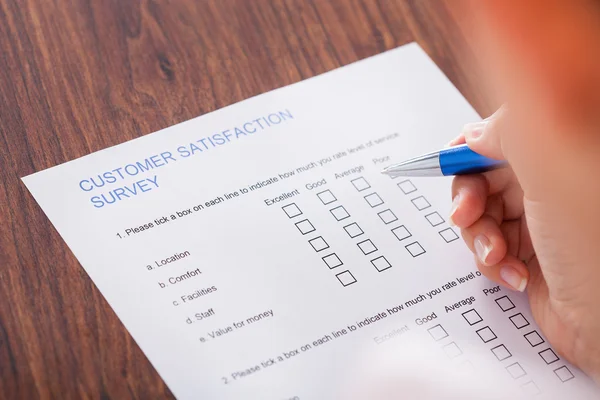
[(78, 77)]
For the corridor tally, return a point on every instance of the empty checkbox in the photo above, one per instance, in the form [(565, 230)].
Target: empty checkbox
[(516, 370), (318, 244), (501, 352), (339, 213), (564, 373), (381, 264), (519, 321), (486, 334), (530, 388), (448, 235), (505, 303), (434, 219), (437, 332), (326, 197), (549, 356), (415, 249), (452, 350), (534, 338), (367, 247), (305, 226), (401, 232), (407, 186), (360, 184), (387, 216), (291, 210), (472, 317), (421, 203), (346, 278), (332, 261), (374, 200), (353, 230)]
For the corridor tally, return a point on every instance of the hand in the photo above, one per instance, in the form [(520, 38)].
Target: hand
[(537, 227)]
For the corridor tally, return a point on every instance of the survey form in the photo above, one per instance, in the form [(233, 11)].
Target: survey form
[(257, 252)]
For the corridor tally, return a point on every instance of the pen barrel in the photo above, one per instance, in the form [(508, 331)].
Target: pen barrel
[(461, 160)]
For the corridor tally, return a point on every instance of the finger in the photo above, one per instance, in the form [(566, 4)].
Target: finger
[(469, 197), (486, 240), (495, 208), (476, 188), (483, 137), (518, 240), (510, 272), (460, 139), (504, 184)]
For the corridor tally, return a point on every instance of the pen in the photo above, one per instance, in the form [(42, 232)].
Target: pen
[(457, 160)]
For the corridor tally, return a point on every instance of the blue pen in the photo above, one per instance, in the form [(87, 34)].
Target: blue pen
[(457, 160)]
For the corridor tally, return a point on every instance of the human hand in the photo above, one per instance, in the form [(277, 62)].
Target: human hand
[(538, 230), (536, 226)]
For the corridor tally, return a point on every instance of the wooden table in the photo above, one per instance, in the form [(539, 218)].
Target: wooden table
[(78, 77)]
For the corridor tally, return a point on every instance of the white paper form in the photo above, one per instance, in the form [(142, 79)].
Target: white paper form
[(257, 252)]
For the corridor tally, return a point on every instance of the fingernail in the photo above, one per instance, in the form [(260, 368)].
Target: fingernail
[(513, 278), (474, 130), (455, 204), (483, 247)]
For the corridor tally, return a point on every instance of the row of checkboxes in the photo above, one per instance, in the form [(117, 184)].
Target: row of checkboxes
[(535, 339), (318, 244), (434, 218), (327, 197)]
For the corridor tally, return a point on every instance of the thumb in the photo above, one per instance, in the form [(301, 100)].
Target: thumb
[(483, 137)]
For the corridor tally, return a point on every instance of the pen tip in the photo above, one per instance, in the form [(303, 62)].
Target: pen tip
[(385, 171)]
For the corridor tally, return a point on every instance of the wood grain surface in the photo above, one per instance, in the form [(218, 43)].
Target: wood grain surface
[(78, 76)]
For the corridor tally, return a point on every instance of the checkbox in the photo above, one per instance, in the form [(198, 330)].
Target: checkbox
[(387, 216), (318, 244), (448, 235), (434, 219), (367, 247), (530, 388), (519, 321), (381, 263), (486, 334), (421, 203), (353, 230), (326, 197), (452, 350), (346, 278), (534, 338), (515, 370), (415, 249), (360, 184), (305, 226), (332, 260), (505, 303), (407, 186), (472, 317), (374, 200), (437, 332), (339, 213), (291, 210), (501, 352), (564, 373), (401, 232), (549, 356)]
